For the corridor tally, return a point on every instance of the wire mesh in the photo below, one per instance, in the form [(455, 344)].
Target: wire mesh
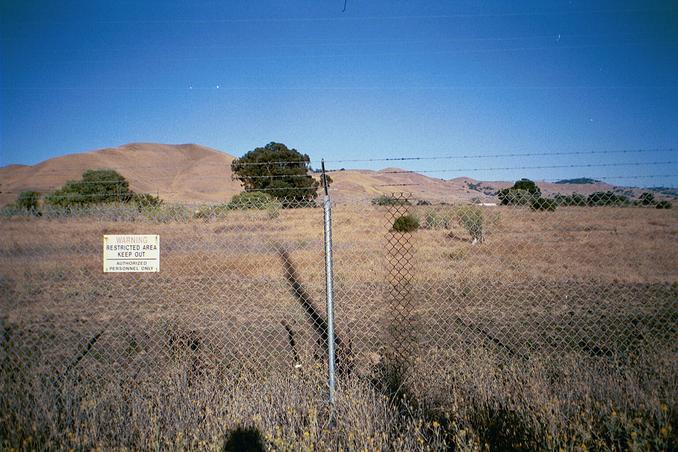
[(400, 224), (588, 279)]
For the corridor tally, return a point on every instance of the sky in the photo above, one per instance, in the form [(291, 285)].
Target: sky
[(381, 79)]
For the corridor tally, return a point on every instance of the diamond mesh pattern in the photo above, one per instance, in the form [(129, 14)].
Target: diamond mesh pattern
[(244, 289)]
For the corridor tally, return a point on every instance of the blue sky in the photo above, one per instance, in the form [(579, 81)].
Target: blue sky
[(382, 79)]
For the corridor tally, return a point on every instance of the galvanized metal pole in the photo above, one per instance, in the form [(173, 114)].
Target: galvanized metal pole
[(327, 211)]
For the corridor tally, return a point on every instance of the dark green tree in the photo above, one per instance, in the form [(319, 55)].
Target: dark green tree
[(522, 193), (647, 199), (95, 187), (278, 171), (527, 185)]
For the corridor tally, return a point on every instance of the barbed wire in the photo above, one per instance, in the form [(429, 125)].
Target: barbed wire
[(554, 181), (480, 156), (446, 170), (509, 168), (388, 159), (505, 155)]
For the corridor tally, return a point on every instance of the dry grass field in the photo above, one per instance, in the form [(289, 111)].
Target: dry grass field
[(556, 330)]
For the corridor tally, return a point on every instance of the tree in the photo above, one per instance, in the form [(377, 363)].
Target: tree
[(647, 199), (95, 187), (277, 170), (522, 193), (528, 185)]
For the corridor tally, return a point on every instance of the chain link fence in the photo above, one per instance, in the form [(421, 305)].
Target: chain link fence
[(586, 285)]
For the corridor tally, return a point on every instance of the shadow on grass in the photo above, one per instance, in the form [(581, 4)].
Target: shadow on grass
[(244, 440)]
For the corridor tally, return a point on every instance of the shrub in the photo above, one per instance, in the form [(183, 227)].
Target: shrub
[(607, 198), (95, 187), (471, 218), (646, 199), (385, 200), (211, 212), (11, 210), (575, 199), (251, 200), (143, 200), (437, 219), (545, 204), (167, 213), (516, 196), (406, 223), (112, 211), (28, 200), (663, 204)]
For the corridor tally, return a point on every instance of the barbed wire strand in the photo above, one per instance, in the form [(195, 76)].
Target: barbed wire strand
[(390, 159), (422, 172)]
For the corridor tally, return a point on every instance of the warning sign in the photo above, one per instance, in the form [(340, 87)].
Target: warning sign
[(131, 253)]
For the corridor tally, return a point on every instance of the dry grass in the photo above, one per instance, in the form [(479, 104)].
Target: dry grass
[(557, 332)]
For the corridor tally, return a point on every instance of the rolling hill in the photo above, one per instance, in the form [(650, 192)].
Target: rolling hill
[(178, 173), (191, 173)]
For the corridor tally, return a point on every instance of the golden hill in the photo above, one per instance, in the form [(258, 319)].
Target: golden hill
[(178, 173), (190, 173)]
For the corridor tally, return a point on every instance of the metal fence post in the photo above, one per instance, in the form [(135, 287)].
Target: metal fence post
[(327, 213)]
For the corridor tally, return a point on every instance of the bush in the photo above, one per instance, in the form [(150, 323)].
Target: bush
[(545, 204), (516, 197), (27, 200), (646, 199), (11, 210), (663, 204), (167, 213), (112, 211), (144, 200), (607, 198), (251, 200), (263, 201), (211, 212), (575, 199), (438, 219), (385, 200), (95, 187), (406, 223), (471, 218)]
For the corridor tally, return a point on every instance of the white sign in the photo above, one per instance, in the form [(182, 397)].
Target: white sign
[(131, 253)]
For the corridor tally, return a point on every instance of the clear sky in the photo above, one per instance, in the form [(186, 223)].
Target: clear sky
[(381, 79)]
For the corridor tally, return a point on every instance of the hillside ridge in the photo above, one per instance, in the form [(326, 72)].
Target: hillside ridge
[(193, 173)]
